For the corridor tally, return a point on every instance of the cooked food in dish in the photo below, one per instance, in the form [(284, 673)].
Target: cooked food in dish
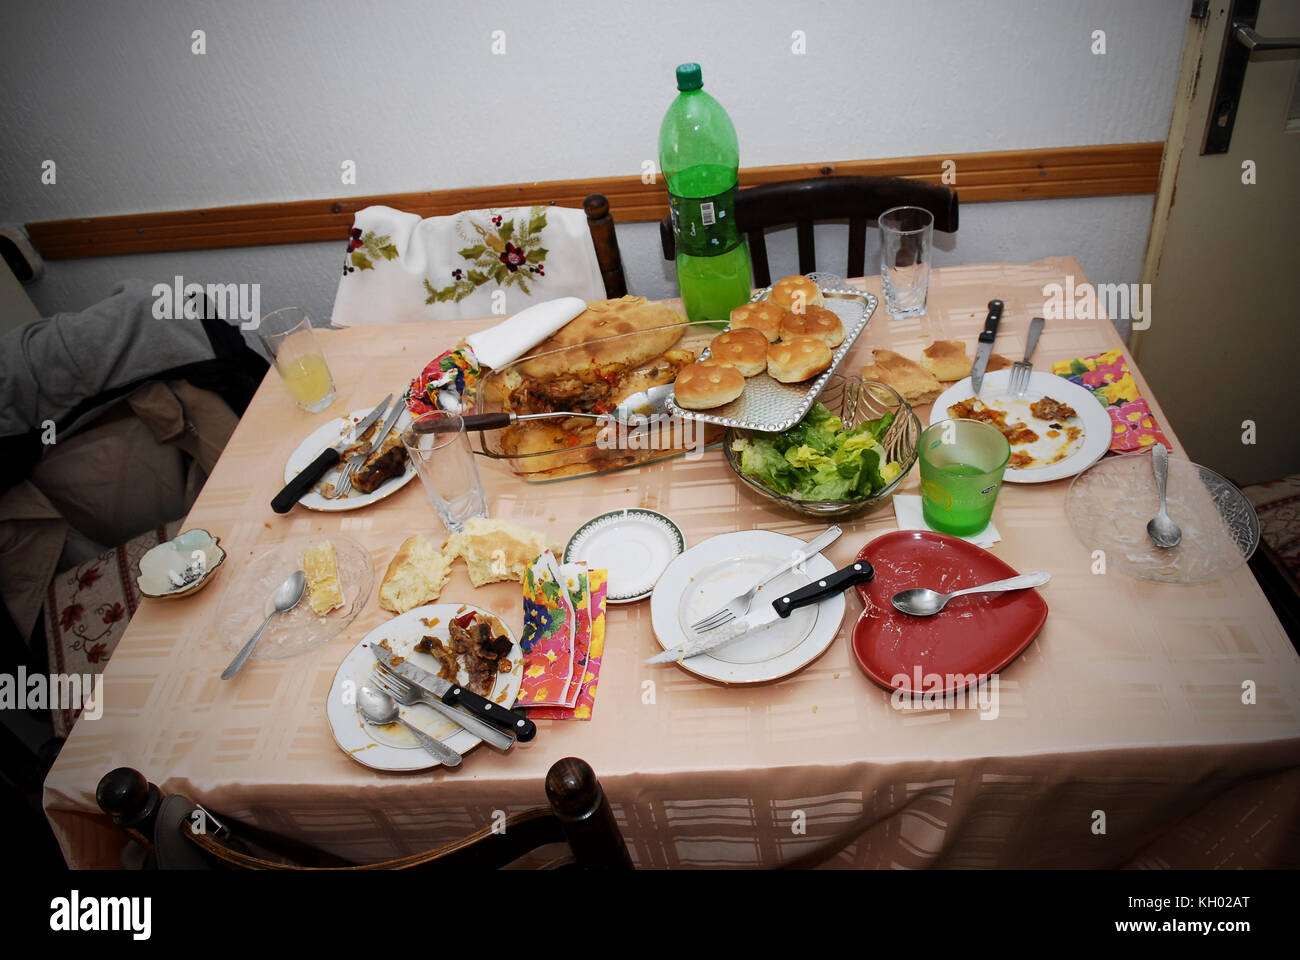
[(913, 382), (744, 349), (388, 461), (763, 316), (321, 565), (795, 293), (1049, 409), (703, 386), (947, 359), (415, 576), (663, 326), (494, 550), (816, 322), (1044, 439), (817, 459), (476, 645)]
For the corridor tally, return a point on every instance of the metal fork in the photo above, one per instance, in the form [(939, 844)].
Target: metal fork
[(343, 485), (739, 606), (1021, 369), (407, 693)]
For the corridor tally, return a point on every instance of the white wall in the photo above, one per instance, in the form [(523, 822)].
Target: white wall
[(412, 93)]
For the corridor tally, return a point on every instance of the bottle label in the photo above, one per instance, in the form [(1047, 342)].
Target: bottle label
[(705, 226)]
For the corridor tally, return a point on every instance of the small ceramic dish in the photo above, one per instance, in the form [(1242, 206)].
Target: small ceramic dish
[(181, 566)]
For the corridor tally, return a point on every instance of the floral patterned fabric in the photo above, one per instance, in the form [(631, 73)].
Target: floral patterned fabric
[(1108, 378), (399, 268), (88, 608)]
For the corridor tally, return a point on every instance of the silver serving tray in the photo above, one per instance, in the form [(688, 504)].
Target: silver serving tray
[(772, 406)]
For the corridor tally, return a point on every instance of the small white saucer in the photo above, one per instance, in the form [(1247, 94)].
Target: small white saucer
[(634, 544)]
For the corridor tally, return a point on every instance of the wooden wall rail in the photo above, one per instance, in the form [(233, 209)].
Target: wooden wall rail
[(1111, 169)]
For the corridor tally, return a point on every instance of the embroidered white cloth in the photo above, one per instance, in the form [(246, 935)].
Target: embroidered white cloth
[(400, 268)]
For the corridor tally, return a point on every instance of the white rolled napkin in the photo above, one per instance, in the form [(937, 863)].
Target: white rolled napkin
[(908, 513), (515, 336)]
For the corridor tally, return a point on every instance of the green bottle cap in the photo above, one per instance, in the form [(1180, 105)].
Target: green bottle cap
[(688, 77)]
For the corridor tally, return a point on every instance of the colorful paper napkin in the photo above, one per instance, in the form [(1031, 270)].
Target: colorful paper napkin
[(1107, 376), (563, 638), (443, 382)]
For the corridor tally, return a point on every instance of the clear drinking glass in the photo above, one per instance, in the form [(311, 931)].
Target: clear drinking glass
[(906, 246), (288, 337), (438, 445), (962, 463)]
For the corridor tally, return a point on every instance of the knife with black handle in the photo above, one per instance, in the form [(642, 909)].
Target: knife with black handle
[(300, 485), (985, 349)]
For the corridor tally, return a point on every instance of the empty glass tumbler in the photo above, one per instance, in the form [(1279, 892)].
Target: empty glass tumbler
[(906, 248)]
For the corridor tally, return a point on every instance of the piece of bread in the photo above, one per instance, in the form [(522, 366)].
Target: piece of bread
[(660, 325), (947, 359), (763, 316), (324, 592), (913, 382), (795, 293), (744, 349), (816, 322), (494, 549), (704, 386), (793, 361), (997, 362), (415, 576)]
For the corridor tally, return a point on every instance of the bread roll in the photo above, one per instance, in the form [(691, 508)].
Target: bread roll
[(495, 549), (792, 361), (744, 349), (913, 382), (795, 293), (702, 386), (764, 316), (947, 359), (415, 576), (816, 322)]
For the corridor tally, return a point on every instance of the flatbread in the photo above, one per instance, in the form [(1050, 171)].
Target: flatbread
[(947, 359), (583, 335), (915, 383)]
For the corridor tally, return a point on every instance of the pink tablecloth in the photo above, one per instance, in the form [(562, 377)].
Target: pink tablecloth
[(1128, 703)]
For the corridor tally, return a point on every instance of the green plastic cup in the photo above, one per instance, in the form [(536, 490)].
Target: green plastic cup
[(962, 463)]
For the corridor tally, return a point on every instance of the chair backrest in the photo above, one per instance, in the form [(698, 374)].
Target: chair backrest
[(605, 240), (860, 200), (579, 815)]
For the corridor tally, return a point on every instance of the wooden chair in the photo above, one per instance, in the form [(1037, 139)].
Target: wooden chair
[(603, 237), (860, 200), (579, 815)]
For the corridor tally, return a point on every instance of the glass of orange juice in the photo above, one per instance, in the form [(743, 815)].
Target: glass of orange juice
[(288, 337)]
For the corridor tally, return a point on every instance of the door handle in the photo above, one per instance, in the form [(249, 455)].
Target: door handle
[(1245, 34)]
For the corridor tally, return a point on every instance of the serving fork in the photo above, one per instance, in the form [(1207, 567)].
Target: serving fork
[(738, 606), (408, 694), (1021, 369)]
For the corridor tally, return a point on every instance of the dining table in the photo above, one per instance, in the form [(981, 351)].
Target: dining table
[(1124, 736)]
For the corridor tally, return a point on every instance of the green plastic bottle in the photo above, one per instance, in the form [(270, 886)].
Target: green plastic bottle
[(700, 157)]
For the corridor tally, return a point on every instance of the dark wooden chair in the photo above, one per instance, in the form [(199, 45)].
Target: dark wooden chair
[(860, 200), (579, 815), (601, 225)]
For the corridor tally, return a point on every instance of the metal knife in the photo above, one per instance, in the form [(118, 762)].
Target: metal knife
[(454, 695), (815, 592), (480, 728), (297, 488), (987, 336)]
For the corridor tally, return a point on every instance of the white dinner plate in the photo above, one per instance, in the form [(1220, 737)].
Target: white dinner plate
[(711, 573), (391, 747), (329, 434), (1096, 423), (634, 545)]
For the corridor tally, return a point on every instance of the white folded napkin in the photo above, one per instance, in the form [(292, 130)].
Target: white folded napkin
[(511, 339), (907, 510)]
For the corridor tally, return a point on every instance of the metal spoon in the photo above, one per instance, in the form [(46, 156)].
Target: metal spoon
[(920, 602), (645, 404), (381, 709), (286, 598), (1161, 528)]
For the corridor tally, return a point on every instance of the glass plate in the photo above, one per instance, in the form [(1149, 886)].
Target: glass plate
[(247, 599), (1110, 503)]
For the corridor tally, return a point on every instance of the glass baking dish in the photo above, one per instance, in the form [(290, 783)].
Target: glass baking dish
[(591, 377)]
